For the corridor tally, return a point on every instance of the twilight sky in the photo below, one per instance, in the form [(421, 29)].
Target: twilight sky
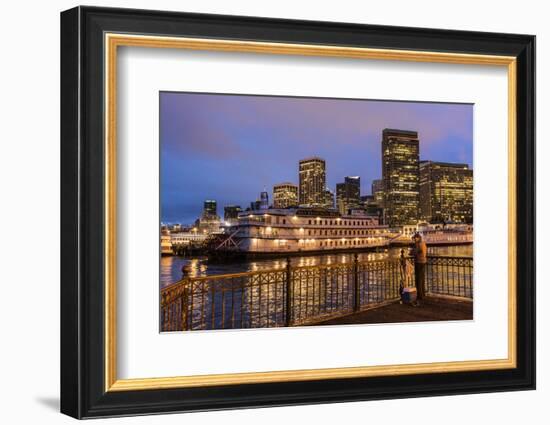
[(230, 147)]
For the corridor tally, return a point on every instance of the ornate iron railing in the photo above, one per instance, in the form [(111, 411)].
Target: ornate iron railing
[(282, 297), (451, 276), (301, 295)]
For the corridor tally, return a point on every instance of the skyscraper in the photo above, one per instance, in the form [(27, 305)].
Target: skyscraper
[(400, 157), (231, 213), (264, 200), (285, 195), (255, 205), (329, 198), (312, 182), (377, 190), (210, 208), (348, 194), (209, 221), (446, 192)]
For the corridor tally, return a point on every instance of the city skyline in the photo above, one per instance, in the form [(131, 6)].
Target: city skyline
[(233, 147)]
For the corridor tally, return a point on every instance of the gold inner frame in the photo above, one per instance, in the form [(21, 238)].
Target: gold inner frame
[(113, 41)]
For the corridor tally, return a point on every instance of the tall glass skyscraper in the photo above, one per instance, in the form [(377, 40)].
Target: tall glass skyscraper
[(312, 182), (400, 173), (446, 192)]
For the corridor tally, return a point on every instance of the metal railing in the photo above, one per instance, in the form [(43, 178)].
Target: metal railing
[(282, 297), (450, 276), (301, 295)]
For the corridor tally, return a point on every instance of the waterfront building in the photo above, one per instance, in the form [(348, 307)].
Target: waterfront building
[(312, 174), (165, 244), (446, 192), (293, 230), (188, 238), (175, 228), (400, 175), (329, 199), (170, 241), (231, 213), (348, 194), (285, 195)]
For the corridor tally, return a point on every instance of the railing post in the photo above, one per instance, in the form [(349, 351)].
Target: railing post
[(288, 296), (356, 288), (416, 278), (184, 307)]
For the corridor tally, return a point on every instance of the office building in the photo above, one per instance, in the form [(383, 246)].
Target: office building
[(210, 208), (348, 194), (312, 173), (329, 199), (400, 175), (264, 200), (231, 213), (446, 192), (377, 191), (285, 195)]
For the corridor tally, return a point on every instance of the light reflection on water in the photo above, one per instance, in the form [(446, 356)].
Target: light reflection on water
[(171, 266)]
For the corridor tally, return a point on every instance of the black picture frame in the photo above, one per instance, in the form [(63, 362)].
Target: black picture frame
[(83, 392)]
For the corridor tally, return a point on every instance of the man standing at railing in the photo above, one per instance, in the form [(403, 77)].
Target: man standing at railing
[(420, 259)]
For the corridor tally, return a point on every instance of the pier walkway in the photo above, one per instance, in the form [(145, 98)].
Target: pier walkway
[(430, 309)]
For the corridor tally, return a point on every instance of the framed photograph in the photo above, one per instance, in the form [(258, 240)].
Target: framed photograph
[(261, 212)]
